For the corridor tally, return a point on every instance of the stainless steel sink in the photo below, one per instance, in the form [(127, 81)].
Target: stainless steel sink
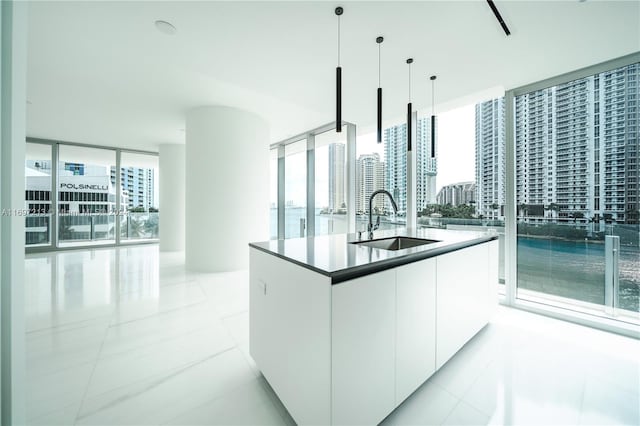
[(395, 243)]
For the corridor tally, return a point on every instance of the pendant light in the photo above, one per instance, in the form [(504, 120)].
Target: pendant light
[(379, 40), (409, 108), (433, 116), (339, 12)]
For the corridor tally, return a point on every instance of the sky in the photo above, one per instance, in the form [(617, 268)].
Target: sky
[(456, 146), (455, 151)]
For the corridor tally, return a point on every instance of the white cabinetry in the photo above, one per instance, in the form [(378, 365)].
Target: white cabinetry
[(290, 334), (415, 326), (466, 297), (363, 355), (350, 353)]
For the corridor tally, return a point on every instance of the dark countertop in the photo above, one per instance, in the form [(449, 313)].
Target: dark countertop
[(335, 257)]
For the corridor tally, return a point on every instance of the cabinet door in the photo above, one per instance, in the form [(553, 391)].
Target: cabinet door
[(463, 302), (415, 326), (363, 354), (290, 334)]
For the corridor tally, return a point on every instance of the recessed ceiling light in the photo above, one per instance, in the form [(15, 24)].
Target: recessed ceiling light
[(165, 27)]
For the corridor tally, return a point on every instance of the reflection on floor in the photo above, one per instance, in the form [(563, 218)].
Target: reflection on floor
[(127, 336)]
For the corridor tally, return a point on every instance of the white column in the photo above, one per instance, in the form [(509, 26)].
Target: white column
[(172, 199), (12, 128), (227, 187)]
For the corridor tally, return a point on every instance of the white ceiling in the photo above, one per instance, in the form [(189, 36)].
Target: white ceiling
[(101, 73)]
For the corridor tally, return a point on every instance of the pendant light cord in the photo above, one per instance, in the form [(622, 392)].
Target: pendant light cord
[(338, 40), (409, 82), (433, 97), (379, 65)]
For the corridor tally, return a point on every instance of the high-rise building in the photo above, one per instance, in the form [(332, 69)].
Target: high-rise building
[(490, 159), (138, 186), (336, 176), (369, 178), (457, 194), (536, 157), (81, 188), (395, 149), (616, 140), (426, 169), (576, 150)]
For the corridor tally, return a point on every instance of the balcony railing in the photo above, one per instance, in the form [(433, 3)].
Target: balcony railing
[(571, 261), (87, 228), (567, 263), (139, 226)]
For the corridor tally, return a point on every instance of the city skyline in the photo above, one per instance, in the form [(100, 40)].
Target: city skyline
[(576, 150), (455, 146), (568, 164), (139, 187), (455, 151), (330, 183), (395, 164)]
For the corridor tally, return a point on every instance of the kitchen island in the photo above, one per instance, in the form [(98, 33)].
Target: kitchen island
[(345, 329)]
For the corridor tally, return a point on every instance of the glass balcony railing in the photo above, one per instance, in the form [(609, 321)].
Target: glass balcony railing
[(139, 226), (75, 228), (594, 265), (37, 230), (471, 225), (79, 229)]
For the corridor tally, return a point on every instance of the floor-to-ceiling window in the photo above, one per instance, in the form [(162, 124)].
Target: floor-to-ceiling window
[(72, 197), (38, 194), (295, 189), (86, 195), (139, 201), (577, 193), (330, 156), (552, 168), (273, 194), (310, 183), (461, 185)]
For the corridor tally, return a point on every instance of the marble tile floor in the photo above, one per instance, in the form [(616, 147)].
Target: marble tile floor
[(126, 336)]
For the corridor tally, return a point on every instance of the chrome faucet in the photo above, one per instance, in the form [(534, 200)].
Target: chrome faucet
[(371, 227)]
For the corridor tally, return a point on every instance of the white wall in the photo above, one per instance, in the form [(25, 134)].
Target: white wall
[(12, 127), (172, 197), (227, 187)]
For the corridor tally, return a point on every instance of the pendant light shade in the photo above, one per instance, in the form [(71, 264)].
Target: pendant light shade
[(379, 40), (409, 108), (339, 12), (433, 117)]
